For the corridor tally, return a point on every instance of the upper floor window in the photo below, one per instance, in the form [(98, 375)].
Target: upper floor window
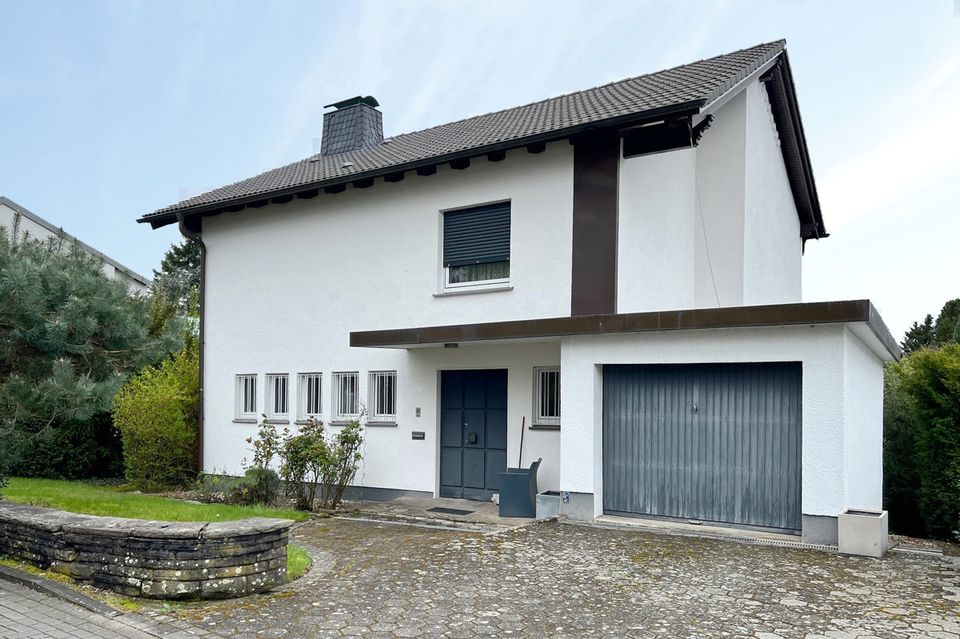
[(547, 396), (277, 396), (245, 399), (308, 395), (476, 245), (383, 396), (346, 396)]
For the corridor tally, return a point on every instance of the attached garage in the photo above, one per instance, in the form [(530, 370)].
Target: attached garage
[(706, 442)]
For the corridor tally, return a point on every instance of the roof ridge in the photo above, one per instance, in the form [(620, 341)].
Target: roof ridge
[(781, 42)]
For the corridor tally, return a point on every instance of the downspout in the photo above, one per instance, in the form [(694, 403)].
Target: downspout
[(195, 236)]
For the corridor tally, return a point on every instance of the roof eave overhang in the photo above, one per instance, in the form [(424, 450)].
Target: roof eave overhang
[(793, 146), (170, 217), (852, 312)]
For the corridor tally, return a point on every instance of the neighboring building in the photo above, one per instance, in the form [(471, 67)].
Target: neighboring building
[(618, 269), (34, 226)]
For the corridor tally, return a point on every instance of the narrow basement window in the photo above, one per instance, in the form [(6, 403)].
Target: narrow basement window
[(245, 402), (309, 396), (346, 396), (546, 410), (383, 396)]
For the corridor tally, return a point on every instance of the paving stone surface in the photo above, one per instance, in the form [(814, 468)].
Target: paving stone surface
[(27, 613), (564, 580)]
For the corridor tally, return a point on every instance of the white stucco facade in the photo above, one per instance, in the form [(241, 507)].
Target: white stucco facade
[(285, 290), (710, 226), (714, 225)]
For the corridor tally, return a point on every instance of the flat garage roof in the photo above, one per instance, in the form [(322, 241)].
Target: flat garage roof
[(809, 313)]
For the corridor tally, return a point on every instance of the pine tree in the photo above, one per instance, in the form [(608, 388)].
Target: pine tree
[(179, 275), (945, 328), (69, 338), (919, 336)]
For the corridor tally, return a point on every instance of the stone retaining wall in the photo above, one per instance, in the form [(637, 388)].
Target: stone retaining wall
[(157, 559)]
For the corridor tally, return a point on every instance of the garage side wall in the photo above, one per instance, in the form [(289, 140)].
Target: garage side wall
[(820, 350), (863, 421)]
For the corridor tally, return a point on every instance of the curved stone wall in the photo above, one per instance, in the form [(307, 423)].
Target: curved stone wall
[(157, 559)]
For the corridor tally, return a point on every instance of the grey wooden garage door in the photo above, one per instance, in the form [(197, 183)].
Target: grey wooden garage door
[(711, 442)]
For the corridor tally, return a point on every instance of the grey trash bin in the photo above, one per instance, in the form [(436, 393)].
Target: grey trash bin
[(518, 491)]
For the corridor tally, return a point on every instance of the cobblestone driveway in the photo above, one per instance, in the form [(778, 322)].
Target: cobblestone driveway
[(565, 580)]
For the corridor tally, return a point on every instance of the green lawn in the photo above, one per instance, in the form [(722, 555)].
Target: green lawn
[(113, 501)]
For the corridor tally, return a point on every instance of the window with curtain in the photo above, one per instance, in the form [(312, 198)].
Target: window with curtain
[(277, 396), (245, 398), (308, 394), (547, 396), (383, 396), (346, 397), (476, 245)]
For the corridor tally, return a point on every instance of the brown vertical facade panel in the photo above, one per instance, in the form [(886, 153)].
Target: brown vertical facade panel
[(596, 163)]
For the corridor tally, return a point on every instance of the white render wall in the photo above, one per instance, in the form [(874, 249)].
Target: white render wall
[(840, 379), (772, 247), (656, 253), (714, 225), (720, 171), (863, 407), (286, 284)]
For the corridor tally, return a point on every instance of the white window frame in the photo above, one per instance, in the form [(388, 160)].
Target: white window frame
[(336, 392), (445, 284), (303, 412), (494, 283), (539, 375), (375, 415), (244, 382), (272, 381)]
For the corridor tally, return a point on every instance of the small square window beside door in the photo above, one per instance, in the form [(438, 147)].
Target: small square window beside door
[(245, 401), (277, 396), (309, 396), (346, 396), (476, 246), (547, 396), (383, 396)]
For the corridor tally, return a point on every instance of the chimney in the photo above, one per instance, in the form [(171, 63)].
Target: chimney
[(353, 124)]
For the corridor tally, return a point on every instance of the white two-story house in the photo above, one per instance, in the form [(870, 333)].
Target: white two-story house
[(611, 278)]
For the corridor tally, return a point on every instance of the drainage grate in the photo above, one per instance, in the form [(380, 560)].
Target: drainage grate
[(449, 511)]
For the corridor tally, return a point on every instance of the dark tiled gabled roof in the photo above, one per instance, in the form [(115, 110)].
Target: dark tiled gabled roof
[(686, 87)]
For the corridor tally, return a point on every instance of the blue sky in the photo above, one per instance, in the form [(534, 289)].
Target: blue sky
[(113, 109)]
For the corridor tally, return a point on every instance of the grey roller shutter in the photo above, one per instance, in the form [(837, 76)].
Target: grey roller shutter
[(479, 235), (711, 442)]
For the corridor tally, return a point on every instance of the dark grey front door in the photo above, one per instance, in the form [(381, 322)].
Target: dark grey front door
[(712, 442), (473, 432)]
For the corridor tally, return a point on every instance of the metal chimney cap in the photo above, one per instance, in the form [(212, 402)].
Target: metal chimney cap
[(368, 100)]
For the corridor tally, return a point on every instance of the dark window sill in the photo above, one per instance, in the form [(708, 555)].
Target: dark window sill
[(245, 420), (277, 421), (304, 422), (339, 422), (544, 427), (386, 424)]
